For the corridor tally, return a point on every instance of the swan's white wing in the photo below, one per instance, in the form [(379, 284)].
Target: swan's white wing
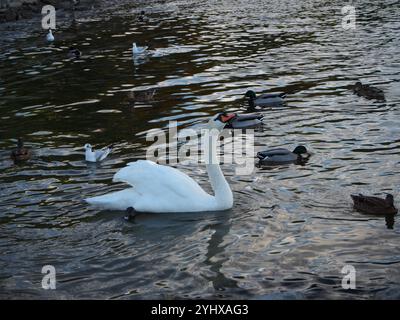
[(119, 200), (156, 188), (148, 177)]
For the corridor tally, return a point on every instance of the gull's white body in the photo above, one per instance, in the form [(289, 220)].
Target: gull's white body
[(158, 188), (97, 155), (49, 36), (138, 50)]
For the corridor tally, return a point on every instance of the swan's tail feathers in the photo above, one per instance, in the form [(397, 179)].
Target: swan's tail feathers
[(120, 200), (99, 202)]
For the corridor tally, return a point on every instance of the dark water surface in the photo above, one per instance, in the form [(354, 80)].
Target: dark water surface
[(292, 228)]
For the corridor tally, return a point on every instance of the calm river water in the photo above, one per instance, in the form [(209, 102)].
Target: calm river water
[(292, 228)]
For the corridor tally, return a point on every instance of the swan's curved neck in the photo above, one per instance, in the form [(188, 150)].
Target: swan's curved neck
[(222, 191)]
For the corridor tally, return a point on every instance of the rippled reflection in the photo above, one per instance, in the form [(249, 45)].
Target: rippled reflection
[(292, 228)]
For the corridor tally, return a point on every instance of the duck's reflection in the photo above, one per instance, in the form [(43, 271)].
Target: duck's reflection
[(389, 218)]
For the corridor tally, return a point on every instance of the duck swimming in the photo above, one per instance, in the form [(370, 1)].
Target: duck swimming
[(141, 16), (49, 36), (283, 156), (74, 53), (143, 96), (244, 121), (20, 153), (130, 214), (138, 50), (264, 100), (367, 91), (374, 205)]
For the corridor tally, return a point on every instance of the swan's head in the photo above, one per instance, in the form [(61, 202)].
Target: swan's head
[(88, 146), (50, 32), (220, 120), (134, 45)]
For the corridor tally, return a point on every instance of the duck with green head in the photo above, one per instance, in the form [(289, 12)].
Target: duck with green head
[(280, 156), (264, 100)]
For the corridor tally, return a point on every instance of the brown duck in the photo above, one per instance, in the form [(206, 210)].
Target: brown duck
[(374, 205), (144, 96), (20, 153), (367, 91)]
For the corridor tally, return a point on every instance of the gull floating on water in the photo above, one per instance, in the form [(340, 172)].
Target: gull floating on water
[(97, 155), (50, 37), (138, 50)]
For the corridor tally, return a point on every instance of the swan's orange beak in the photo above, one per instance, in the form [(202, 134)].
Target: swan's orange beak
[(225, 118)]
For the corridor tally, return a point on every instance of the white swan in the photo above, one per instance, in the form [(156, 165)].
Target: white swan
[(97, 155), (49, 36), (138, 50), (158, 188)]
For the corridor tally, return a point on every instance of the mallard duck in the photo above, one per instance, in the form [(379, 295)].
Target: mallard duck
[(74, 53), (20, 153), (264, 100), (130, 214), (142, 96), (283, 156), (97, 155), (141, 15), (138, 50), (367, 91), (374, 205), (49, 36), (245, 121)]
